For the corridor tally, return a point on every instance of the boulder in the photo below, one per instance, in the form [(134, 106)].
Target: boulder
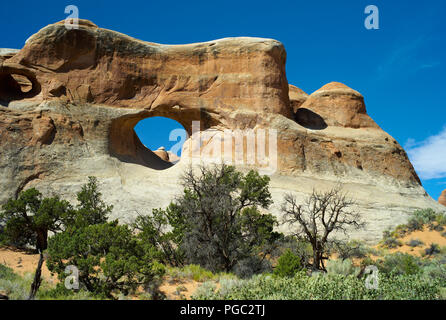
[(162, 153)]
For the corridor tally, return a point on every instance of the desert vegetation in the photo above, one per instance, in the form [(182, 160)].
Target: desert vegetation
[(217, 240)]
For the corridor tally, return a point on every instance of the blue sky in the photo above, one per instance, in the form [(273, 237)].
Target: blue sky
[(400, 68)]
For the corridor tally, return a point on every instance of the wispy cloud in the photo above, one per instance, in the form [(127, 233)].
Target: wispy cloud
[(406, 58), (429, 156)]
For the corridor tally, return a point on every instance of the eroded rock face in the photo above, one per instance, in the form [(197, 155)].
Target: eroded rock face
[(442, 199), (297, 97), (91, 86)]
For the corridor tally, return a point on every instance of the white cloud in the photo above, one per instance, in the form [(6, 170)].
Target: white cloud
[(429, 156)]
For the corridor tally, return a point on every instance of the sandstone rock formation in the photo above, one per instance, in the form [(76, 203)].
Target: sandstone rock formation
[(442, 199), (297, 97), (83, 91)]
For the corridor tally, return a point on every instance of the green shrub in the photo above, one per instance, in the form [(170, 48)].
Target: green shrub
[(329, 287), (415, 243), (6, 273), (110, 259), (351, 249), (16, 287), (196, 273), (415, 224), (205, 291), (390, 242), (367, 262), (432, 250), (420, 218), (435, 271), (298, 247), (342, 267), (441, 219), (288, 264), (399, 263), (425, 215), (191, 271), (62, 293)]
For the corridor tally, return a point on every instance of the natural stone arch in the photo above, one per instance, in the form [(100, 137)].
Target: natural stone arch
[(10, 89), (125, 144)]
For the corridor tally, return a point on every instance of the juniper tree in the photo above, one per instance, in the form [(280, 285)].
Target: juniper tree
[(28, 219), (110, 259), (224, 229)]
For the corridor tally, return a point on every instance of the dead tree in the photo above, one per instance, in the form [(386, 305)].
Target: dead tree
[(320, 215)]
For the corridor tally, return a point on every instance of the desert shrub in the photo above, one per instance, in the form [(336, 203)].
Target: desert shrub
[(226, 286), (390, 242), (191, 271), (329, 287), (351, 249), (422, 217), (443, 234), (367, 261), (60, 292), (251, 265), (300, 248), (342, 267), (415, 224), (415, 243), (198, 273), (425, 215), (433, 249), (110, 259), (399, 263), (206, 290), (16, 287), (6, 272), (288, 264), (435, 270), (400, 231), (433, 226), (441, 219)]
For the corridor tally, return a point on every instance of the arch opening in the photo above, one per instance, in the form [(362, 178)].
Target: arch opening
[(17, 82), (126, 145), (163, 136)]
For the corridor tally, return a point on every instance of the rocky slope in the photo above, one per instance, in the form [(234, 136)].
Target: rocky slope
[(442, 198), (82, 92)]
